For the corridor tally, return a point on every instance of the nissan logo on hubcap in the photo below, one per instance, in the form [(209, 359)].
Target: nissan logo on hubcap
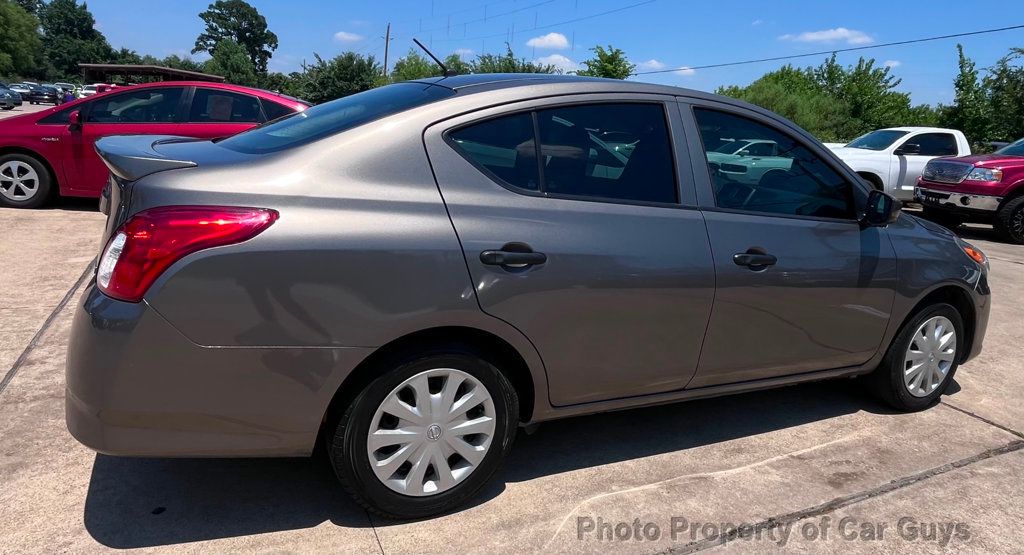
[(434, 432)]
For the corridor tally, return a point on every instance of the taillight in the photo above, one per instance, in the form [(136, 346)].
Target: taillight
[(150, 241)]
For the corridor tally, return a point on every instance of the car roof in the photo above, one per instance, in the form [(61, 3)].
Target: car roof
[(477, 82), (207, 84)]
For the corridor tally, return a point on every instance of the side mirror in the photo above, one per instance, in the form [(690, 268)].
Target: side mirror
[(743, 153), (908, 148), (75, 119), (881, 210)]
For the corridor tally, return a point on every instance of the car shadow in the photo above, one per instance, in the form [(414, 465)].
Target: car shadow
[(72, 204), (135, 503)]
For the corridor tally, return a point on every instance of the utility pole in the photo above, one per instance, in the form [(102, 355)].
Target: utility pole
[(387, 42)]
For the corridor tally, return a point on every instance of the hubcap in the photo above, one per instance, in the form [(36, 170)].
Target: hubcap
[(431, 432), (18, 180), (930, 356)]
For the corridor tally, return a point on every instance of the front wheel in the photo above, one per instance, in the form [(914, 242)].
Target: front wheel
[(1010, 220), (921, 361), (425, 436), (24, 181)]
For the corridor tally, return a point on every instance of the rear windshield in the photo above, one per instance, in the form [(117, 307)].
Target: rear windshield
[(334, 117), (1013, 149)]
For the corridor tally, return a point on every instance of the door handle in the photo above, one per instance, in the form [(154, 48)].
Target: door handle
[(521, 257), (754, 260)]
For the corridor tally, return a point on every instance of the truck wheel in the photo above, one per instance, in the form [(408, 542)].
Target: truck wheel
[(1010, 220), (942, 217)]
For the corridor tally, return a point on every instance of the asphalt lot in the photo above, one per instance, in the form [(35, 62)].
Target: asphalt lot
[(805, 457), (25, 108)]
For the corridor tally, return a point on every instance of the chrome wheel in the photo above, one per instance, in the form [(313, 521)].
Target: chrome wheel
[(929, 357), (431, 432), (18, 180)]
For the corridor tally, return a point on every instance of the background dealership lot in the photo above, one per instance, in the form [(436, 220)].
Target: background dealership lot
[(797, 454)]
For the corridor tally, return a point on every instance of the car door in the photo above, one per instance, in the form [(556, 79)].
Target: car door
[(800, 286), (908, 167), (215, 113), (143, 111), (589, 247)]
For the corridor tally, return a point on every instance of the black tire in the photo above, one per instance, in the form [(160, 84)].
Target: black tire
[(887, 380), (43, 191), (8, 107), (1009, 221), (346, 447), (942, 217)]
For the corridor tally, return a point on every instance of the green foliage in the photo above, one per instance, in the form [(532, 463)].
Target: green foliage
[(177, 62), (242, 23), (231, 61), (508, 63), (414, 66), (970, 111), (1004, 90), (30, 6), (70, 38), (611, 63), (19, 47), (833, 102), (340, 76)]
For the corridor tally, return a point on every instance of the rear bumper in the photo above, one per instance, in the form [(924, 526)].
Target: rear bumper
[(965, 202), (136, 386)]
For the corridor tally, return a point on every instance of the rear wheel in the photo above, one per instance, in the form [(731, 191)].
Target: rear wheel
[(942, 217), (425, 436), (1010, 220), (24, 181), (922, 359)]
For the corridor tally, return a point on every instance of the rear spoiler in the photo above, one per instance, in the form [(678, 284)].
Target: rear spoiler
[(132, 157)]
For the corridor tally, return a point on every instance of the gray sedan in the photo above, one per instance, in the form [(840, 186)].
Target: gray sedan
[(9, 99), (406, 275)]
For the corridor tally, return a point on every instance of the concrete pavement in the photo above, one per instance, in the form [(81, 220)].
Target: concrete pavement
[(809, 456)]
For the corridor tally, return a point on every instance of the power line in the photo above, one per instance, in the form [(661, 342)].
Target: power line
[(486, 18), (833, 51), (538, 28)]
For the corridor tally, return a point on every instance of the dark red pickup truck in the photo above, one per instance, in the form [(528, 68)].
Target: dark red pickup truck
[(987, 188)]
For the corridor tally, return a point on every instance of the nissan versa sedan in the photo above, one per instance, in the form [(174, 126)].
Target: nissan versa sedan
[(404, 276)]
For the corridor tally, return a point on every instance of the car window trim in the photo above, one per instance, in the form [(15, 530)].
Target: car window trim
[(692, 104), (540, 193)]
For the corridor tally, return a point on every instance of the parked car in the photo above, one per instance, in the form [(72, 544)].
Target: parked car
[(65, 87), (9, 99), (891, 160), (87, 90), (54, 148), (407, 274), (45, 94), (985, 188), (21, 88), (747, 160)]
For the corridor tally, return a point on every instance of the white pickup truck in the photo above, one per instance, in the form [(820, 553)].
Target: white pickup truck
[(893, 159)]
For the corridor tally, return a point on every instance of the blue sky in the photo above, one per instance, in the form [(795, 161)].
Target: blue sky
[(660, 33)]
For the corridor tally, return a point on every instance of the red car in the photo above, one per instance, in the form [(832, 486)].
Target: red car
[(52, 150), (985, 188)]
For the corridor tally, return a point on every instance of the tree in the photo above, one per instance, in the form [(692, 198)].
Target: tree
[(19, 48), (178, 62), (30, 6), (414, 66), (508, 63), (970, 110), (346, 74), (70, 37), (1004, 89), (240, 22), (232, 62), (611, 63)]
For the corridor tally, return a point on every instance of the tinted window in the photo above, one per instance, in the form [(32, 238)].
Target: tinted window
[(60, 118), (273, 110), (935, 144), (335, 116), (877, 140), (794, 181), (504, 147), (617, 151), (217, 106), (1013, 149), (158, 105)]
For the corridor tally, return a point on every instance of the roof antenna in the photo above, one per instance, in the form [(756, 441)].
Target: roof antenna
[(444, 70)]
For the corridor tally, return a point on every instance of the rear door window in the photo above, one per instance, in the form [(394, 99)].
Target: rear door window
[(504, 148), (156, 105), (219, 106), (935, 144)]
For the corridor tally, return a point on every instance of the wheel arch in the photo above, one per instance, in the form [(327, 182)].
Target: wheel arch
[(960, 299), (873, 178), (38, 157), (484, 344)]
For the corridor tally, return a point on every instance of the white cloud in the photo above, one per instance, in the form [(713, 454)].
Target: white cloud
[(559, 61), (892, 63), (685, 71), (839, 34), (756, 22), (552, 41), (345, 36), (463, 52), (651, 65)]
